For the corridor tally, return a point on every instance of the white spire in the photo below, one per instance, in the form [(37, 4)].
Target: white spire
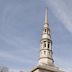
[(46, 15), (46, 18), (46, 44), (46, 30)]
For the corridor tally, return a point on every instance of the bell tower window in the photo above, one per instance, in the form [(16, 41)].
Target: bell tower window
[(48, 45), (45, 30), (44, 43)]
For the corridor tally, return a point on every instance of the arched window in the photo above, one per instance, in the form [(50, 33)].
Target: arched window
[(48, 44), (45, 30), (44, 43)]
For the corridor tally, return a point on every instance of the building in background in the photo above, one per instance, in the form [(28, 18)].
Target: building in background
[(46, 62), (3, 69)]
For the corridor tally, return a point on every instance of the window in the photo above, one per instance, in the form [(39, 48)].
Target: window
[(44, 43), (45, 30), (48, 45)]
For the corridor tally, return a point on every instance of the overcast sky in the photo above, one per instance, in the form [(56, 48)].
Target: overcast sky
[(21, 23)]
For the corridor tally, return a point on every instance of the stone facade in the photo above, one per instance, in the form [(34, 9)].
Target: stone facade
[(46, 69)]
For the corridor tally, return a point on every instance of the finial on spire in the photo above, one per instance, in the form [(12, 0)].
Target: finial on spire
[(46, 15)]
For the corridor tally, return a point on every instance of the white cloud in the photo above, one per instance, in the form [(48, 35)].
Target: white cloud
[(61, 11), (10, 57), (15, 57), (63, 64), (17, 42), (16, 70), (9, 41)]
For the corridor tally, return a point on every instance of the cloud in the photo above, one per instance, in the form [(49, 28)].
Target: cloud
[(61, 11), (16, 70), (63, 64), (18, 42), (19, 54), (14, 58), (7, 40), (10, 57)]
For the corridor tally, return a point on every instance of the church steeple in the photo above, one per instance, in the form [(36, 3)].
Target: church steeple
[(46, 62), (46, 44), (46, 15)]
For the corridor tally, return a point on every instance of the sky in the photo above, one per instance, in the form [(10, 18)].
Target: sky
[(21, 23)]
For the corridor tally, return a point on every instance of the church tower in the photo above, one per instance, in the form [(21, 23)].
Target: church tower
[(46, 62), (46, 44)]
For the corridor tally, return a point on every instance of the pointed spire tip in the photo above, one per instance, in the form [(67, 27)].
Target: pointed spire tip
[(46, 15)]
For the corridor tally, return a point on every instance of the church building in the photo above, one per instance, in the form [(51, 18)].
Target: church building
[(46, 62)]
